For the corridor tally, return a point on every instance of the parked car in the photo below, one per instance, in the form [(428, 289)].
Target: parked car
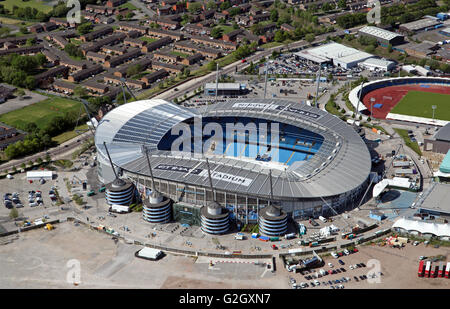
[(341, 262)]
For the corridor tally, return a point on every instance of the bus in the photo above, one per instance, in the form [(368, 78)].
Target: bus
[(427, 269), (441, 270), (434, 271), (421, 269), (447, 270)]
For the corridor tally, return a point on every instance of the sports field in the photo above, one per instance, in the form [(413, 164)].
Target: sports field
[(40, 113), (42, 6), (419, 104)]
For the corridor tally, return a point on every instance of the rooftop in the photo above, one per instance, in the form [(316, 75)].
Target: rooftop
[(380, 33), (443, 134), (437, 198)]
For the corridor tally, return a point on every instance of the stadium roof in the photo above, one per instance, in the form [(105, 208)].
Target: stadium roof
[(341, 164), (379, 33)]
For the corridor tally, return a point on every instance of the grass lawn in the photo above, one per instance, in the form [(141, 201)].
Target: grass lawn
[(40, 113), (129, 6), (12, 21), (39, 5), (418, 103), (147, 39), (176, 53), (76, 42), (413, 145), (271, 44), (225, 29), (69, 134)]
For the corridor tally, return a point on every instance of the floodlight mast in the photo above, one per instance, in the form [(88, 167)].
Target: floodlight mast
[(217, 81), (85, 105), (145, 151), (265, 79), (123, 83), (210, 181), (110, 161), (271, 187), (318, 82), (359, 100)]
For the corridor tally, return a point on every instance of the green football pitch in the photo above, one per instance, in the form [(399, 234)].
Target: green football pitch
[(419, 104)]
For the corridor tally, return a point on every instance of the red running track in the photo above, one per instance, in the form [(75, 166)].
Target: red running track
[(384, 95)]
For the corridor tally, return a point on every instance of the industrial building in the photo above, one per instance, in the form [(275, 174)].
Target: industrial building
[(225, 89), (378, 64), (318, 161), (383, 37), (436, 200), (337, 54), (423, 24)]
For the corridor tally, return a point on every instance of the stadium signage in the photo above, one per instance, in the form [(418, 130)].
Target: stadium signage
[(277, 108), (178, 168), (228, 178), (204, 173)]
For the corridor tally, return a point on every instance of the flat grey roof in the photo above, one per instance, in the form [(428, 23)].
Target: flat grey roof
[(438, 198), (223, 86), (380, 33)]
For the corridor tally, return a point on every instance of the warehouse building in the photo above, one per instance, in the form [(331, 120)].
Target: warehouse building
[(378, 64), (423, 24), (225, 89), (383, 37), (335, 53), (435, 202)]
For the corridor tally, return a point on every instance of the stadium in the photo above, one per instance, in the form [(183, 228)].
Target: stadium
[(300, 158), (405, 98)]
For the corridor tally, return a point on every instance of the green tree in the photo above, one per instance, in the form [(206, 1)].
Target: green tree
[(211, 5), (225, 5), (310, 37), (279, 36), (80, 92), (274, 15), (212, 65), (216, 32), (84, 28), (195, 7)]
